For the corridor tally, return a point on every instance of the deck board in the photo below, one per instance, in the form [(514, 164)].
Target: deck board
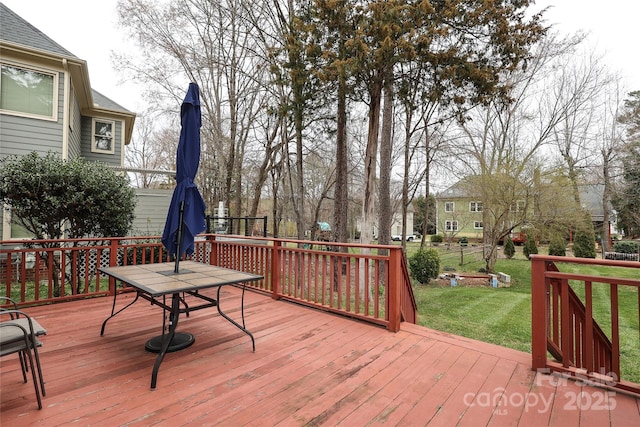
[(310, 368)]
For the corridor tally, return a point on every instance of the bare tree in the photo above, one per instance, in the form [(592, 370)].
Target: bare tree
[(580, 81), (611, 138), (152, 149), (501, 142), (212, 44)]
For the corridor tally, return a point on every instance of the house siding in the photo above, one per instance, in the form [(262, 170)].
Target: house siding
[(75, 137), (151, 211), (461, 213)]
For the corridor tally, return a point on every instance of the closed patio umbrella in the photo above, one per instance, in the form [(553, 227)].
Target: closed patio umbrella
[(186, 216)]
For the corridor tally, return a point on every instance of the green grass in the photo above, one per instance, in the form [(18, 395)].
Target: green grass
[(503, 315)]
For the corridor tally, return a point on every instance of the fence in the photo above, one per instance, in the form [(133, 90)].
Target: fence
[(368, 282), (584, 338)]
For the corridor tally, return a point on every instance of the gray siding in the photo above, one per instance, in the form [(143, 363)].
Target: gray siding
[(22, 135), (151, 211), (75, 134), (111, 159)]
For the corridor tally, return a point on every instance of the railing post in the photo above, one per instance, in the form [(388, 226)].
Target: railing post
[(538, 314), (213, 244), (113, 262), (275, 270), (394, 289), (264, 226)]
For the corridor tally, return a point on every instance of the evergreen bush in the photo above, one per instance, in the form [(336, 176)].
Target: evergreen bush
[(530, 246), (436, 238), (626, 247), (584, 243), (509, 248), (425, 265), (557, 246)]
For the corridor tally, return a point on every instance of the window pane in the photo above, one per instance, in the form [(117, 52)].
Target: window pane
[(26, 91), (103, 136)]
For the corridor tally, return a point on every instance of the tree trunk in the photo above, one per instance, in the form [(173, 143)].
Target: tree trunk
[(341, 196), (606, 202), (385, 214), (405, 177), (299, 195), (368, 205)]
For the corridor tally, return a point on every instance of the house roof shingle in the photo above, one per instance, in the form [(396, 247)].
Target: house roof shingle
[(15, 29)]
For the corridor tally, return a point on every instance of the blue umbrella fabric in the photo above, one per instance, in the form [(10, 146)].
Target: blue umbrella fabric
[(186, 216)]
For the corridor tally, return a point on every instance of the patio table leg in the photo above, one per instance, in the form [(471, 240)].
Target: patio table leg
[(114, 313), (173, 323), (239, 326)]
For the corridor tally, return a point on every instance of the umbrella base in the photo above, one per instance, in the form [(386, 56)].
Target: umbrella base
[(180, 341)]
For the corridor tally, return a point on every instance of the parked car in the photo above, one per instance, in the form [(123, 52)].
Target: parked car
[(398, 237)]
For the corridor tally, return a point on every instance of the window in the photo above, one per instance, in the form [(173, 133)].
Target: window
[(475, 206), (451, 225), (517, 206), (102, 136), (448, 206), (11, 229), (478, 225), (28, 92)]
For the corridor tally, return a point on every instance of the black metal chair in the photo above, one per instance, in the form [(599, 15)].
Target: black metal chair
[(18, 334)]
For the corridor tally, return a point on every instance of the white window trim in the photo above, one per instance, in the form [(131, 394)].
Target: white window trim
[(54, 110), (6, 222), (451, 225), (453, 206), (94, 148), (477, 225), (473, 206), (7, 233)]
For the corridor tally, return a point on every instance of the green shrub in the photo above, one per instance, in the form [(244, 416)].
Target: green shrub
[(557, 246), (463, 241), (626, 247), (530, 246), (509, 248), (425, 265), (436, 238), (584, 243)]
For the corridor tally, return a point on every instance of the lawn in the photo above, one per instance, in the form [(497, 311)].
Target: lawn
[(503, 315)]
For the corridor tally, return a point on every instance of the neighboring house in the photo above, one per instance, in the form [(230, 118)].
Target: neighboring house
[(457, 214), (47, 103), (591, 197), (396, 223)]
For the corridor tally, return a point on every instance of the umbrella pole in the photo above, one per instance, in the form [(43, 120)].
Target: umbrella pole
[(179, 236)]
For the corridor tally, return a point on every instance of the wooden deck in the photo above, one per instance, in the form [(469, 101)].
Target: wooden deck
[(310, 368)]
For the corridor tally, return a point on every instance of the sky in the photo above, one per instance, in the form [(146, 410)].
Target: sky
[(91, 33)]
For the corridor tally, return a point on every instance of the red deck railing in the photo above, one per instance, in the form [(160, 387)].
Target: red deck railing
[(564, 324), (350, 279)]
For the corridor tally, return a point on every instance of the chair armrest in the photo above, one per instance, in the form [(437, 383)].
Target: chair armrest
[(15, 304)]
